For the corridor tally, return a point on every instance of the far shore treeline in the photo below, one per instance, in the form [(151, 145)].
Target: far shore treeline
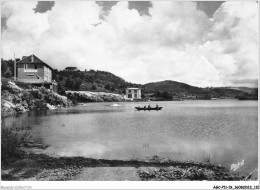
[(102, 81)]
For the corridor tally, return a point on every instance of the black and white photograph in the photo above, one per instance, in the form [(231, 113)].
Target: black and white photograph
[(129, 94)]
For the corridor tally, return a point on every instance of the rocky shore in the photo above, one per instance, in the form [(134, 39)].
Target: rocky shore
[(88, 96), (19, 98)]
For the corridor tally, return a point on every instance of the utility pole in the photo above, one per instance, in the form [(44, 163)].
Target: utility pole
[(14, 68)]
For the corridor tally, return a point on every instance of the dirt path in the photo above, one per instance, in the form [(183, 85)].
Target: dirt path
[(108, 174)]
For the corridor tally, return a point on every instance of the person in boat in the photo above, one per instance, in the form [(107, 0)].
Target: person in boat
[(149, 106), (156, 105), (144, 106)]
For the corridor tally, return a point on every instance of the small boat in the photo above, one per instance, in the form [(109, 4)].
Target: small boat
[(147, 108)]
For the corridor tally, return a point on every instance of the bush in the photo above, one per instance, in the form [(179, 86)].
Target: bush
[(107, 86), (93, 87), (11, 141), (9, 144)]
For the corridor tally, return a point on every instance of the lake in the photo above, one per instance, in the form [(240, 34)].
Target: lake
[(224, 131)]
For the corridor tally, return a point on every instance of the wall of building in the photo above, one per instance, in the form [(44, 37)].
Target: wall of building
[(47, 74), (133, 93), (30, 72)]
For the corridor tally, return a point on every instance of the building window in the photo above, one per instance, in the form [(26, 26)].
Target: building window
[(135, 95), (35, 66), (129, 91), (129, 95), (135, 91)]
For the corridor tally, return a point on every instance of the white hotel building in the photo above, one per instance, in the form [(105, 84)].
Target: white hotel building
[(133, 93)]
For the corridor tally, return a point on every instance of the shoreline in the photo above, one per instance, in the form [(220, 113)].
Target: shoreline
[(42, 167), (18, 99)]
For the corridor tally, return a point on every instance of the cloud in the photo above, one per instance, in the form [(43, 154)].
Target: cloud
[(238, 22), (175, 41), (24, 28)]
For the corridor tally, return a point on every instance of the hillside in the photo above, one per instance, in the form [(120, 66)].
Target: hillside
[(97, 81), (243, 89), (175, 90), (172, 86)]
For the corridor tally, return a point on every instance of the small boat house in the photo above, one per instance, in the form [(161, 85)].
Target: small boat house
[(133, 93)]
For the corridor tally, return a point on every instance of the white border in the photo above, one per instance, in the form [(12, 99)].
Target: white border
[(126, 184), (130, 184)]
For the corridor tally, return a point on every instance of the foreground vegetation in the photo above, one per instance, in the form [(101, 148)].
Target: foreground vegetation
[(44, 167)]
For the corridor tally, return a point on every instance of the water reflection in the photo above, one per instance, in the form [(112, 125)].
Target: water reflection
[(37, 113)]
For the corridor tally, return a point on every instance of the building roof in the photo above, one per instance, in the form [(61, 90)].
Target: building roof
[(71, 68), (133, 88), (32, 59)]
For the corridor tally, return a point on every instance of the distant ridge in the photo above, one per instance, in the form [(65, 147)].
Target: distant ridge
[(178, 90), (172, 86), (243, 89)]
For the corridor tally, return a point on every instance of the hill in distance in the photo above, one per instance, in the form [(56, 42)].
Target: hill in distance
[(243, 89), (172, 86), (102, 81), (183, 91), (97, 81)]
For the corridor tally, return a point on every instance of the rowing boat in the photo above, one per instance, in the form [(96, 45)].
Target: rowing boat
[(155, 108)]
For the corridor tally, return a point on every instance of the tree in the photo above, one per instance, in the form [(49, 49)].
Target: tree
[(166, 95), (77, 84), (60, 78), (107, 86), (157, 94), (112, 88), (7, 68), (69, 83), (93, 87)]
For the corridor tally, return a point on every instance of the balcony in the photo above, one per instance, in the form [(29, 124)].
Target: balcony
[(30, 70), (37, 81)]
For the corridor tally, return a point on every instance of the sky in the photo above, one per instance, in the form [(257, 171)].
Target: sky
[(199, 43)]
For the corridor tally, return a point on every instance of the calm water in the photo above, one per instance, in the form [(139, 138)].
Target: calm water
[(226, 130)]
